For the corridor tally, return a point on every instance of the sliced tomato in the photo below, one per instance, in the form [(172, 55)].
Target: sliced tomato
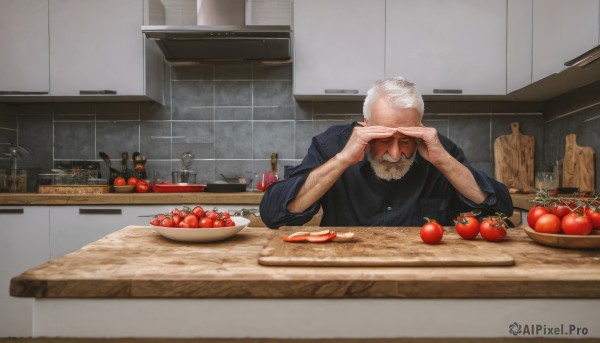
[(321, 238), (298, 238)]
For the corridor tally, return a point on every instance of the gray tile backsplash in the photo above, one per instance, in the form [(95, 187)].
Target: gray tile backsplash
[(232, 115)]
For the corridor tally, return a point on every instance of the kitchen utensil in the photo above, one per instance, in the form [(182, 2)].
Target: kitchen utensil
[(124, 160), (381, 246), (514, 158), (104, 156), (202, 235), (578, 165)]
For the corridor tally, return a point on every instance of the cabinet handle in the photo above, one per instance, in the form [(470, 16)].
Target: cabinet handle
[(11, 211), (100, 211), (447, 91), (21, 93), (341, 91), (101, 91)]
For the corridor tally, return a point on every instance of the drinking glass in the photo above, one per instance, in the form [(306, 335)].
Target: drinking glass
[(544, 180)]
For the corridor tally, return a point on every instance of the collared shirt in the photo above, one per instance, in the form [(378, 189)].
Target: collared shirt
[(360, 198)]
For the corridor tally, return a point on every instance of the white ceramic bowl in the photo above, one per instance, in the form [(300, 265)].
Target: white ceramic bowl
[(203, 235)]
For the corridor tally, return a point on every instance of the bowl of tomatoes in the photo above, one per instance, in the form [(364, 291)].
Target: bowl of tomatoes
[(197, 225)]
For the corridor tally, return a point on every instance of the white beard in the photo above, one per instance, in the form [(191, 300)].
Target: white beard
[(388, 169)]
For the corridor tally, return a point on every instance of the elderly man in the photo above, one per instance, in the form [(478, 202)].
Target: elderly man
[(410, 171)]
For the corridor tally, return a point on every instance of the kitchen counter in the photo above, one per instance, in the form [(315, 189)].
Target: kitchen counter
[(134, 283), (521, 201), (130, 198), (137, 262)]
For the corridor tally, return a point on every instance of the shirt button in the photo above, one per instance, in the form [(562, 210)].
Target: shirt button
[(389, 208)]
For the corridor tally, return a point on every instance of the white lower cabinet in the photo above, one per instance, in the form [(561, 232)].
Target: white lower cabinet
[(24, 237)]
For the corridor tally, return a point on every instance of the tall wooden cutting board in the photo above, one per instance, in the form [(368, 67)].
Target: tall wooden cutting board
[(578, 165), (382, 247), (514, 158)]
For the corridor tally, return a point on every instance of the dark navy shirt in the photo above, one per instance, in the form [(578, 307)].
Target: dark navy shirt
[(360, 198)]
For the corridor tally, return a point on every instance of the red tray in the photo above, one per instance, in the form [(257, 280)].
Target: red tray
[(178, 188)]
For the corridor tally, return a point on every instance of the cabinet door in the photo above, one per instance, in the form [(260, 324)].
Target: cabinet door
[(562, 30), (24, 46), (338, 46), (24, 237), (441, 45), (96, 45), (518, 44)]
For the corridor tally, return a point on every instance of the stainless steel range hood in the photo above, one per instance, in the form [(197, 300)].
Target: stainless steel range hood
[(222, 33), (221, 42)]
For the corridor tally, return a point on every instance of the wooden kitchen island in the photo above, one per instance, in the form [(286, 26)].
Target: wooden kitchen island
[(135, 283)]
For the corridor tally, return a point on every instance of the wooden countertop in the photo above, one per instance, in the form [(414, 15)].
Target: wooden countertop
[(521, 201), (136, 262), (130, 198)]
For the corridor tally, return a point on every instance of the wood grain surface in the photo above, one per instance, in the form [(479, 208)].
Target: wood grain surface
[(578, 165), (377, 246), (74, 189), (130, 198), (514, 158), (137, 262)]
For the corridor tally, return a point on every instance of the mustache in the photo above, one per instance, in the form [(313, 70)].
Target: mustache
[(387, 158)]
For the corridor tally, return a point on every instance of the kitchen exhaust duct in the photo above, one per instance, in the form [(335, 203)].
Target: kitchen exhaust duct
[(221, 34)]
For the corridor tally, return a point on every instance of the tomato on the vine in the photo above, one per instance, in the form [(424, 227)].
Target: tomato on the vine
[(206, 222), (431, 232), (534, 213), (493, 229), (132, 181), (560, 209), (467, 226), (594, 214), (576, 224), (548, 223), (198, 211), (142, 187)]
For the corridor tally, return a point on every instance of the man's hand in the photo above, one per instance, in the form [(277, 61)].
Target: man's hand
[(354, 151), (428, 143)]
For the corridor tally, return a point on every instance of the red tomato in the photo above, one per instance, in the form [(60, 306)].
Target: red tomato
[(534, 213), (132, 181), (560, 210), (167, 222), (297, 238), (142, 187), (492, 229), (594, 214), (176, 220), (212, 214), (576, 224), (183, 225), (218, 223), (119, 181), (229, 222), (206, 222), (548, 223), (191, 220), (431, 232), (198, 211), (225, 215), (155, 222), (467, 226)]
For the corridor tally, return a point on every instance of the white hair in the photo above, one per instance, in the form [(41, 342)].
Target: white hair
[(401, 93)]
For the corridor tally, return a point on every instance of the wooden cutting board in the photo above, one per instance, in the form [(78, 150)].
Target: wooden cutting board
[(514, 159), (578, 165), (377, 246)]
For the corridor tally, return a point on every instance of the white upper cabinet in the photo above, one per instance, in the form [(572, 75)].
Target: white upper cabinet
[(338, 47), (96, 46), (24, 41), (518, 44), (70, 48), (448, 47), (562, 30)]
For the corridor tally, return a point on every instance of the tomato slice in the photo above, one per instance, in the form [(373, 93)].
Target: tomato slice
[(321, 238), (297, 238)]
